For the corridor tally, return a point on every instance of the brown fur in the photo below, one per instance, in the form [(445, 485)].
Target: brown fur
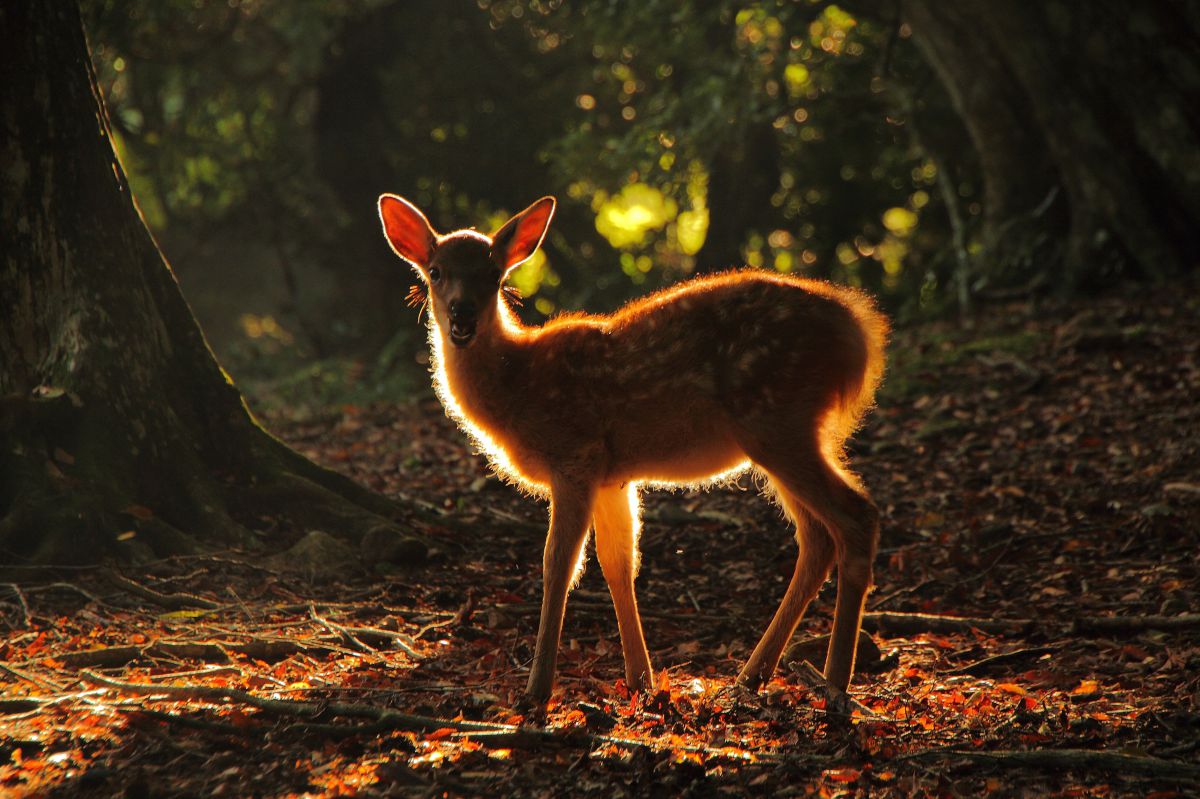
[(692, 382)]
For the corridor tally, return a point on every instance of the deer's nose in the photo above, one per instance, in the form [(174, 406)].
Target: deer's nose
[(462, 310)]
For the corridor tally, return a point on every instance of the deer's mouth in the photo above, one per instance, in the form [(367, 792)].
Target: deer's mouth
[(461, 332)]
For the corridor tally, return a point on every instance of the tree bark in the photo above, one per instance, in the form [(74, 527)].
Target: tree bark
[(998, 119), (1099, 98), (118, 429)]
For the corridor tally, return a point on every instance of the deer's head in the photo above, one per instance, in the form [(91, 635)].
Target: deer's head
[(464, 271)]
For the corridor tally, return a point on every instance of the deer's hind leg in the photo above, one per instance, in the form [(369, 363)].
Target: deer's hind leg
[(832, 497), (617, 526), (813, 563)]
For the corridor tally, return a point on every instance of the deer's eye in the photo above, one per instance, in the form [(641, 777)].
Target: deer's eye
[(435, 275)]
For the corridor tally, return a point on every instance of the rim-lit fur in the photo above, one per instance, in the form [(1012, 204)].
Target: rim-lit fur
[(682, 387)]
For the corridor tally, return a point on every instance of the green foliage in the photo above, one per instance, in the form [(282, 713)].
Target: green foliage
[(474, 109), (211, 101), (282, 381), (675, 84)]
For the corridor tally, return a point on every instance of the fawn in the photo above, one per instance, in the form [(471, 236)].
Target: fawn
[(739, 370)]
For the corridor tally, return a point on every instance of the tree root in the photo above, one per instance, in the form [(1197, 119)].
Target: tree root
[(509, 736), (506, 736), (169, 601), (1003, 659), (311, 505), (1078, 759), (1136, 624), (257, 648), (73, 492), (909, 623)]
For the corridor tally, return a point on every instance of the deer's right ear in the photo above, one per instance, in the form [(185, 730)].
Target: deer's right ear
[(407, 230)]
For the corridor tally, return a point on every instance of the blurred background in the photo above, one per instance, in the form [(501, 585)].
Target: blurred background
[(939, 155)]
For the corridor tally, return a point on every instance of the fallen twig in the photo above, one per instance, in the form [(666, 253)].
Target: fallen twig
[(461, 615), (1070, 759), (906, 623), (354, 635), (169, 601), (69, 587), (598, 606), (997, 660), (837, 701), (345, 634), (208, 651), (40, 682), (397, 640), (187, 675), (1136, 624), (16, 589)]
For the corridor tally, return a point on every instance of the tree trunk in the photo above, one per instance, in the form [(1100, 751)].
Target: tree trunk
[(742, 176), (1100, 98), (118, 429), (996, 114)]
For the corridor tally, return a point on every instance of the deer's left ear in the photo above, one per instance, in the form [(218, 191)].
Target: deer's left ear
[(519, 237)]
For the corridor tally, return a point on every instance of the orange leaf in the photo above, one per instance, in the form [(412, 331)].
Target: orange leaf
[(139, 512), (1012, 688), (441, 734), (1085, 687), (843, 774)]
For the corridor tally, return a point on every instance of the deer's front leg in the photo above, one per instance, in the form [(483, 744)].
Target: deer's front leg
[(570, 518), (617, 527)]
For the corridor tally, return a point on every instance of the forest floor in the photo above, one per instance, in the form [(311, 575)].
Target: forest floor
[(1035, 609)]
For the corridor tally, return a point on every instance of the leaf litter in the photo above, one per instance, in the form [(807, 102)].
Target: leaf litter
[(1039, 478)]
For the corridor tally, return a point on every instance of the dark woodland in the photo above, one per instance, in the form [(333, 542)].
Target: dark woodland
[(244, 552)]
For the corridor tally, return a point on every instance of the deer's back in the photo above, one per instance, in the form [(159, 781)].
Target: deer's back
[(666, 380)]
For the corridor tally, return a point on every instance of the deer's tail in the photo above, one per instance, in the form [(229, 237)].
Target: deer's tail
[(863, 371)]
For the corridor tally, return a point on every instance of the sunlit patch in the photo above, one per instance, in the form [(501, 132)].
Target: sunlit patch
[(625, 218), (691, 227), (257, 327)]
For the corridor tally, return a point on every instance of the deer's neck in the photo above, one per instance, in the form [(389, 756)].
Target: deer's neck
[(476, 382)]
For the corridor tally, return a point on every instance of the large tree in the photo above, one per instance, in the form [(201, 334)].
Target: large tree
[(115, 418), (1087, 127)]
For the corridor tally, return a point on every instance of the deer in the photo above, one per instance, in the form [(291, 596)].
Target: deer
[(703, 380)]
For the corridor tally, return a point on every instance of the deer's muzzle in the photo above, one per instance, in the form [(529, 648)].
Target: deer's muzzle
[(462, 323)]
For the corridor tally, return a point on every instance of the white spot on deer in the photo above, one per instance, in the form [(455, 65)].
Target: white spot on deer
[(746, 361)]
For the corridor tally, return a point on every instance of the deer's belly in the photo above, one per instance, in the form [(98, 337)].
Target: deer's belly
[(681, 455)]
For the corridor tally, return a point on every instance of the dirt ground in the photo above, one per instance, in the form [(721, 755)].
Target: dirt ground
[(1036, 611)]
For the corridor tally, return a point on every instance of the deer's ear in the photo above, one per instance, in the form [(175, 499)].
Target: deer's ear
[(519, 237), (407, 230)]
